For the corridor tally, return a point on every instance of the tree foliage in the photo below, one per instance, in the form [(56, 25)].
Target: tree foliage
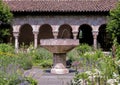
[(5, 14), (113, 26), (5, 18)]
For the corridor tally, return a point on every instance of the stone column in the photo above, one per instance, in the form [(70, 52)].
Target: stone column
[(35, 39), (55, 30), (95, 34), (16, 35), (95, 29), (75, 29), (35, 32)]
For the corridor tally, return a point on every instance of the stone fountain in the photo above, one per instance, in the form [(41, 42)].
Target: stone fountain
[(59, 48)]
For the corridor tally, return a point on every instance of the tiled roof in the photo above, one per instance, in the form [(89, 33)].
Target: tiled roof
[(61, 5)]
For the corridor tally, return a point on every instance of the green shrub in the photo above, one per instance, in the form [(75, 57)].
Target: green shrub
[(25, 61), (84, 48), (77, 54), (46, 63), (12, 65), (73, 55), (6, 48), (41, 53), (41, 57)]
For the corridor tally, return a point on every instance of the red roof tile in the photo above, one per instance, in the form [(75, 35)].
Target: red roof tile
[(61, 5)]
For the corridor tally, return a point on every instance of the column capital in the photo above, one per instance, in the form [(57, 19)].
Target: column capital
[(95, 32), (16, 28), (75, 28), (55, 28), (35, 28), (35, 32), (95, 28), (16, 34), (75, 33), (55, 34)]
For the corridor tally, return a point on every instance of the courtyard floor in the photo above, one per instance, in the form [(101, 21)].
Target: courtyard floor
[(44, 77)]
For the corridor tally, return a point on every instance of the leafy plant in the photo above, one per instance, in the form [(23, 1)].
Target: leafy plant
[(73, 55), (84, 48), (46, 63), (11, 65), (41, 57), (5, 14), (5, 18), (113, 24), (98, 68), (25, 61), (6, 48)]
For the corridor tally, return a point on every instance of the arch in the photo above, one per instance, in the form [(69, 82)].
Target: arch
[(65, 31), (9, 37), (26, 35), (85, 34), (104, 38), (45, 32)]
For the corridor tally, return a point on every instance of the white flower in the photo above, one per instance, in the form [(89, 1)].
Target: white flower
[(88, 73), (79, 82), (118, 62), (115, 75), (111, 81), (97, 71), (91, 78), (88, 53)]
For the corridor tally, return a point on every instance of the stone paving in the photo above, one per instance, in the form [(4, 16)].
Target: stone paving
[(44, 77)]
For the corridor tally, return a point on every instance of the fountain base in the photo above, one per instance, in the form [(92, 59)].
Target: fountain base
[(59, 66), (59, 71)]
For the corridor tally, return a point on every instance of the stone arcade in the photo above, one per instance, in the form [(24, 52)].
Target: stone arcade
[(43, 19), (61, 21)]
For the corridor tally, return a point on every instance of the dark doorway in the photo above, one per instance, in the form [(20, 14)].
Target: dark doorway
[(104, 39), (85, 34), (26, 35)]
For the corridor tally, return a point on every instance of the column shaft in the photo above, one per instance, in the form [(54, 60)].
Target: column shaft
[(35, 32), (35, 39), (95, 34), (16, 34)]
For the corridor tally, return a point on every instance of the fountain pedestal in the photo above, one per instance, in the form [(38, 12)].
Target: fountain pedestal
[(59, 63), (59, 48)]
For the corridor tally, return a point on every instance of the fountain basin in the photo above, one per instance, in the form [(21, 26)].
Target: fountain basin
[(59, 48), (59, 45)]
